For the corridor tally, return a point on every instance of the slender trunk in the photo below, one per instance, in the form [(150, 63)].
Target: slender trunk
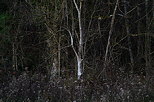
[(128, 32), (59, 55), (109, 38), (147, 41), (139, 47), (14, 57), (149, 69), (14, 44), (14, 48), (111, 31)]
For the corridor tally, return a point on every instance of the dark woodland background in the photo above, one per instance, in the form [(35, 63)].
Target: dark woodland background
[(38, 63)]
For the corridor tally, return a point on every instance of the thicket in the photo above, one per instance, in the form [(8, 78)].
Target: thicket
[(76, 50)]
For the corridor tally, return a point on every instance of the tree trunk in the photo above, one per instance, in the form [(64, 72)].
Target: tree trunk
[(80, 44), (128, 33)]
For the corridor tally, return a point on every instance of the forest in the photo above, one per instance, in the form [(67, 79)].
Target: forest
[(76, 50)]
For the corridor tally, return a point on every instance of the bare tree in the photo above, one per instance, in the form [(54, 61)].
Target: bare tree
[(79, 51), (79, 55)]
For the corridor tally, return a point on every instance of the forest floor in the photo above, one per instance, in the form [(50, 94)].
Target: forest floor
[(40, 88)]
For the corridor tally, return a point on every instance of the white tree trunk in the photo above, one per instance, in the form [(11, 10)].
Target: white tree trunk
[(79, 55)]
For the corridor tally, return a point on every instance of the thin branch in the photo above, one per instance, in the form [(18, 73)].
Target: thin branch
[(76, 6)]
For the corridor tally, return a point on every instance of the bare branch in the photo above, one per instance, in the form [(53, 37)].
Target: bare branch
[(72, 43)]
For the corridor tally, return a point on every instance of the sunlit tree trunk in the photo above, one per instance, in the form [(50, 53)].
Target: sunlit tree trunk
[(79, 54)]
